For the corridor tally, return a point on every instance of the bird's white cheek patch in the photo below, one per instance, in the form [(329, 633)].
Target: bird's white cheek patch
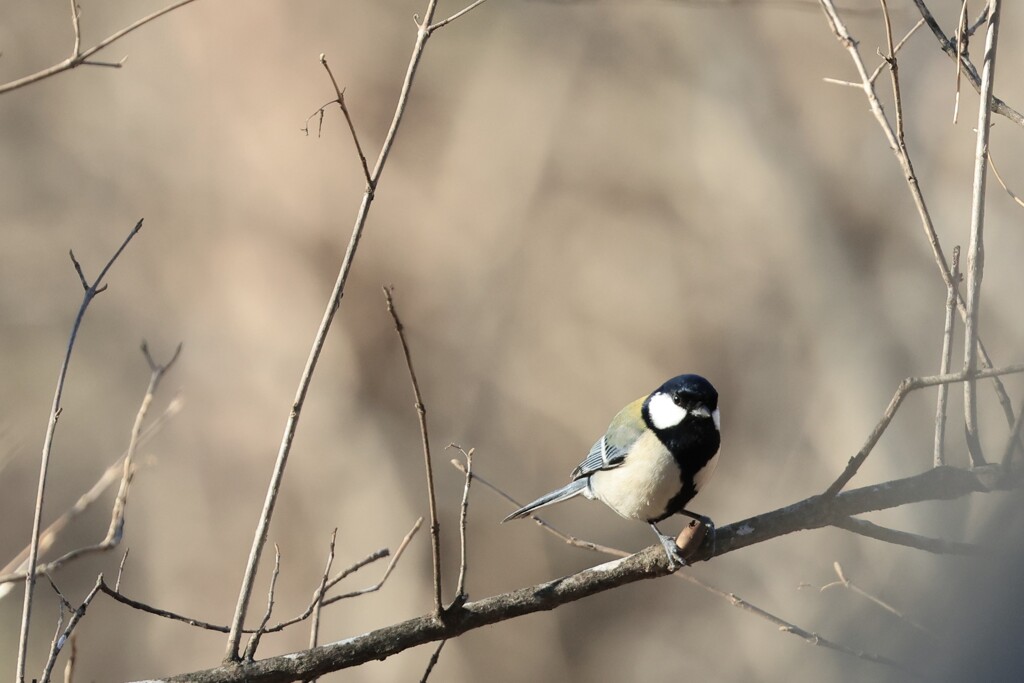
[(664, 412), (718, 419)]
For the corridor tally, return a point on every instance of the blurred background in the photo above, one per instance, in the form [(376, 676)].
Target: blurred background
[(584, 200)]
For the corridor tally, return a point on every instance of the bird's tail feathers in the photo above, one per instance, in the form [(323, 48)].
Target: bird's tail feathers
[(568, 491)]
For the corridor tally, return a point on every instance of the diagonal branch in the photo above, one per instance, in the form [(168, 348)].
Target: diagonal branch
[(969, 70), (941, 483), (733, 599), (903, 157), (421, 412), (976, 249), (423, 34), (15, 569), (79, 57), (91, 290), (932, 545), (906, 387)]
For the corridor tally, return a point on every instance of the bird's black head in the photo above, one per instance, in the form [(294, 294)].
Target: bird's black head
[(683, 400)]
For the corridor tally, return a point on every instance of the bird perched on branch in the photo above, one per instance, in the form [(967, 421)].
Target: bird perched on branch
[(658, 452)]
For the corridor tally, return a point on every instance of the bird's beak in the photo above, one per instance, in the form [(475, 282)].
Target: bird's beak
[(701, 411)]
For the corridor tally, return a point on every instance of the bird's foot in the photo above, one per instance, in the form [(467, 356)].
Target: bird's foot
[(673, 552)]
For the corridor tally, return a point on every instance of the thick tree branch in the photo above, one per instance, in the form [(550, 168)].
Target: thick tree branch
[(940, 483)]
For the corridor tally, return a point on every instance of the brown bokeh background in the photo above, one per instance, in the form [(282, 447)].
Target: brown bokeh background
[(584, 200)]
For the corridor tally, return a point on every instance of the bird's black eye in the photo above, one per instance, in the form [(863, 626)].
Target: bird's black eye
[(678, 398)]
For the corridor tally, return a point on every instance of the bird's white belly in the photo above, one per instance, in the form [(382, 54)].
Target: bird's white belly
[(642, 486)]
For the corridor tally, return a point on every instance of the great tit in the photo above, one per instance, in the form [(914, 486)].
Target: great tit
[(658, 452)]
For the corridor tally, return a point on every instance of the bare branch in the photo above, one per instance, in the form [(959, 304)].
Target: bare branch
[(421, 412), (69, 668), (939, 457), (894, 70), (961, 43), (995, 171), (156, 611), (76, 617), (15, 569), (969, 70), (445, 22), (941, 483), (903, 157), (976, 250), (571, 540), (75, 14), (91, 290), (263, 526), (120, 570), (460, 591), (904, 538), (254, 642), (340, 101), (387, 572), (318, 595), (78, 58), (433, 661), (851, 586), (732, 598), (907, 386)]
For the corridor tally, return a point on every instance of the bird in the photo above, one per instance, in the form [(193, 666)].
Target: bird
[(657, 454)]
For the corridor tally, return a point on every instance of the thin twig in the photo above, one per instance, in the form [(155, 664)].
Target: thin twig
[(995, 171), (907, 386), (120, 570), (845, 582), (340, 101), (91, 290), (317, 602), (75, 15), (421, 412), (76, 617), (894, 70), (933, 545), (191, 621), (254, 641), (961, 43), (158, 612), (387, 572), (444, 22), (78, 58), (372, 557), (433, 661), (15, 569), (263, 526), (571, 540), (63, 606), (69, 668), (318, 595), (903, 157), (460, 591), (976, 248), (939, 457), (948, 46)]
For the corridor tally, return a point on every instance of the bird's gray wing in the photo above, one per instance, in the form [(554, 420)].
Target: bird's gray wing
[(612, 448)]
